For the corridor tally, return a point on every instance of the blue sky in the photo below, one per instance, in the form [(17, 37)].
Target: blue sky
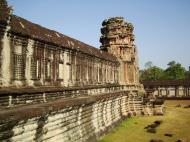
[(162, 27)]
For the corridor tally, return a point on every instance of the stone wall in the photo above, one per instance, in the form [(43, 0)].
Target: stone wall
[(74, 119), (167, 88), (27, 96), (179, 91), (29, 62)]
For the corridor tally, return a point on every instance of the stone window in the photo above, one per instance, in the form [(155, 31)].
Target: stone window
[(35, 68), (59, 64), (83, 70), (18, 66), (78, 68), (96, 73), (36, 63), (70, 72), (112, 74), (90, 73), (77, 72), (19, 57), (48, 64), (60, 70), (48, 69), (104, 74), (100, 73), (69, 65)]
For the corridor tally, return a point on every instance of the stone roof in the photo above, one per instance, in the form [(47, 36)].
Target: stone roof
[(156, 83), (26, 28)]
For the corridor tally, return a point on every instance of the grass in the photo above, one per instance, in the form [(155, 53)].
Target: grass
[(176, 120)]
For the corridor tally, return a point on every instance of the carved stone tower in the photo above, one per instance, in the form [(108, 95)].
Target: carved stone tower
[(118, 39)]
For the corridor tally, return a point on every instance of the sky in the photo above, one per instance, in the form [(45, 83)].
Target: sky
[(162, 27)]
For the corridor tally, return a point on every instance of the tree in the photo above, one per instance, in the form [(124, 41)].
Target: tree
[(174, 71), (151, 72), (172, 63), (148, 64), (187, 74)]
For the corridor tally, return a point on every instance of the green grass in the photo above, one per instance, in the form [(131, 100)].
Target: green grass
[(175, 121)]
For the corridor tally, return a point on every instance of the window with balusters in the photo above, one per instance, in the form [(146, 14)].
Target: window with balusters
[(36, 61), (48, 65), (18, 58), (18, 67)]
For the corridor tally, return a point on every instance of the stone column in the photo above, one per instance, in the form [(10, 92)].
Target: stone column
[(185, 89), (66, 69), (167, 92), (161, 92), (158, 91), (87, 71), (5, 79), (176, 91), (29, 54), (98, 69)]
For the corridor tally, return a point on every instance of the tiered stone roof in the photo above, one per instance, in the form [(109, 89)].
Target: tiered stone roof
[(113, 29)]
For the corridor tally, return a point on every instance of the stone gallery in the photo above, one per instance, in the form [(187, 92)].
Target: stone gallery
[(56, 88)]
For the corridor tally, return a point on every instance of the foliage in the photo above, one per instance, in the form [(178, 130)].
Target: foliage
[(152, 73), (187, 75), (175, 71)]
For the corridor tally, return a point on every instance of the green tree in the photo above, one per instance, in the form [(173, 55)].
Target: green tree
[(175, 71), (151, 72)]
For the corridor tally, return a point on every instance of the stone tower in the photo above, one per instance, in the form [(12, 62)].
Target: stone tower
[(118, 39)]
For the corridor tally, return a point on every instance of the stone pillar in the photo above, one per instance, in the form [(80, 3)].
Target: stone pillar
[(185, 91), (122, 72), (87, 71), (158, 91), (98, 72), (176, 91), (66, 69), (6, 73), (29, 54), (167, 92)]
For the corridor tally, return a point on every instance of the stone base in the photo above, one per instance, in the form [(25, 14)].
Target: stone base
[(73, 119)]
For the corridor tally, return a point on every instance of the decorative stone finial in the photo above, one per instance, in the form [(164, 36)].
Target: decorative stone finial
[(116, 33)]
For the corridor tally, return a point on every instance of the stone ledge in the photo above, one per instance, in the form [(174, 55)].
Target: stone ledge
[(31, 111), (12, 90)]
